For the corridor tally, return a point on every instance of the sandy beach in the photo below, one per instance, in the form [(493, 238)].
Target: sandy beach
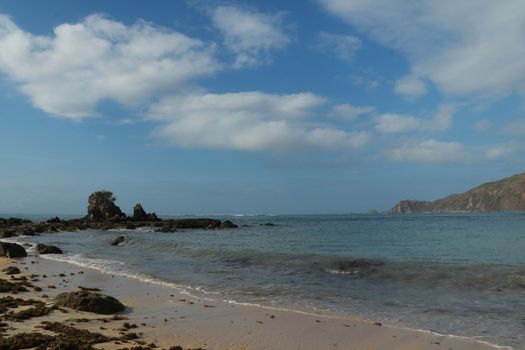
[(165, 317)]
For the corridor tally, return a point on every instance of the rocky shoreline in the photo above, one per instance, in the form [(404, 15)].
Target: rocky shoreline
[(103, 214)]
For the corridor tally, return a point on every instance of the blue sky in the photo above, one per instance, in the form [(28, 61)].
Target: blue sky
[(320, 106)]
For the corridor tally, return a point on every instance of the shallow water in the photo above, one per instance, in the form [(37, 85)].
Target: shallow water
[(461, 274)]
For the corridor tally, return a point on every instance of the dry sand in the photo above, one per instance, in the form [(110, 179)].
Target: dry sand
[(168, 317)]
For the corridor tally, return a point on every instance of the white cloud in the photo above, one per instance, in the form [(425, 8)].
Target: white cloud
[(68, 73), (429, 151), (470, 47), (515, 127), (502, 150), (249, 121), (482, 124), (251, 36), (343, 46), (410, 87), (350, 112), (395, 123)]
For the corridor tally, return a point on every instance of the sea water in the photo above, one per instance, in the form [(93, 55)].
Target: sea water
[(460, 274)]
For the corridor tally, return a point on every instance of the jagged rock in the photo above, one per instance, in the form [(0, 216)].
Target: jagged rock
[(12, 250), (102, 207), (228, 224), (504, 195), (47, 249), (55, 220), (89, 301), (139, 214), (11, 270), (117, 240)]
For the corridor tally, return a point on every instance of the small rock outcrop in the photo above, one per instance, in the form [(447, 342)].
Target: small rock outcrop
[(118, 240), (228, 224), (139, 214), (90, 302), (47, 249), (12, 250), (11, 270), (102, 207)]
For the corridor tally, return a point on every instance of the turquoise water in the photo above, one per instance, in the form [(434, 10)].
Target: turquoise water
[(461, 274)]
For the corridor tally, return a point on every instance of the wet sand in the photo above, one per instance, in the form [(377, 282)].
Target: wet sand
[(167, 317)]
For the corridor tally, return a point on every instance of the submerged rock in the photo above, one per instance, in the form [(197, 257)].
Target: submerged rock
[(48, 249), (12, 250), (354, 267), (89, 301), (117, 240)]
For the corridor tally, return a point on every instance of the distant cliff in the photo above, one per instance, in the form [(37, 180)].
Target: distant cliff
[(504, 195)]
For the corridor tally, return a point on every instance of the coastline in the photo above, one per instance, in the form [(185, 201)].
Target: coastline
[(167, 316)]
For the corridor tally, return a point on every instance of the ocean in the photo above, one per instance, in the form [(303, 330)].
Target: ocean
[(460, 274)]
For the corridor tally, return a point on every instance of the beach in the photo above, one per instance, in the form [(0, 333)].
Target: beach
[(165, 317)]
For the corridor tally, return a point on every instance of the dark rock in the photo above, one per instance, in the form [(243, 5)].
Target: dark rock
[(102, 207), (55, 220), (12, 250), (11, 270), (117, 240), (268, 224), (357, 267), (139, 214), (166, 229), (91, 302), (228, 224), (47, 249)]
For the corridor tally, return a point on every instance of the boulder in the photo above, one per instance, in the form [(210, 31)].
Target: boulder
[(55, 220), (11, 270), (139, 214), (102, 207), (117, 240), (12, 250), (358, 267), (90, 302), (48, 249), (228, 224)]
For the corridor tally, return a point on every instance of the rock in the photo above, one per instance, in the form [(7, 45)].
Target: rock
[(139, 214), (90, 302), (228, 224), (12, 250), (357, 267), (117, 240), (55, 220), (11, 270), (102, 207), (166, 229), (48, 249), (268, 224)]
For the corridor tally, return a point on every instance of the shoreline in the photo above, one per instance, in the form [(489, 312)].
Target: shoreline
[(172, 317)]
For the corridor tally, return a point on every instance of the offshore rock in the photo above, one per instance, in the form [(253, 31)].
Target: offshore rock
[(139, 214), (117, 240), (102, 207)]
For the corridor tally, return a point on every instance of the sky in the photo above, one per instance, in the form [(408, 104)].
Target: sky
[(257, 107)]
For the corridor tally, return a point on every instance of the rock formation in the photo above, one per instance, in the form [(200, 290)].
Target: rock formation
[(504, 195), (101, 207), (12, 250), (90, 302), (139, 214), (47, 249)]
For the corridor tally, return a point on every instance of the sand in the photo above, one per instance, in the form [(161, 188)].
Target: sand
[(167, 317)]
